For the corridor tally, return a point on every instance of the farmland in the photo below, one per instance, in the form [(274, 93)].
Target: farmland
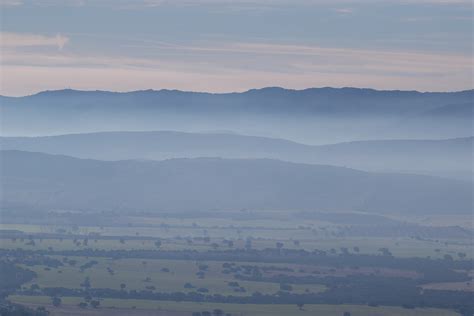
[(146, 263), (167, 308)]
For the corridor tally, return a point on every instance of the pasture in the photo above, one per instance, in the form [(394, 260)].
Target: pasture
[(168, 308)]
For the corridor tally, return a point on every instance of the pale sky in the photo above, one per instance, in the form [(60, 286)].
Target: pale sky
[(225, 45)]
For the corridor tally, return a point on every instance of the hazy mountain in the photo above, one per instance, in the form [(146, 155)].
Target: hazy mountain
[(460, 111), (448, 158), (36, 180), (335, 101), (156, 145), (321, 115)]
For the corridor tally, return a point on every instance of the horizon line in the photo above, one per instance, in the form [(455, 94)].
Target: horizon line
[(233, 92)]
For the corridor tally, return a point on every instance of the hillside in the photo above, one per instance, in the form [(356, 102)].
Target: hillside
[(318, 115), (447, 158), (36, 180)]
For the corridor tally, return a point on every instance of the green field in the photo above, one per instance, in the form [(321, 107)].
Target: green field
[(187, 236), (181, 238), (176, 308), (134, 273)]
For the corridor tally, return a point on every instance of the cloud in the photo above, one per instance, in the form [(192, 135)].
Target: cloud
[(10, 2), (16, 40), (258, 3), (344, 11)]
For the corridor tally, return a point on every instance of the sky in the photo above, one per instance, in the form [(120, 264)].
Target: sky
[(235, 45)]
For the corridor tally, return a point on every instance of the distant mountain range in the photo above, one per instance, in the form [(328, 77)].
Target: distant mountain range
[(319, 115), (389, 136), (330, 101), (447, 158), (43, 181)]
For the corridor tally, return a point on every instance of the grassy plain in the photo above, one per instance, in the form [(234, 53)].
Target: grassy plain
[(134, 273), (186, 308), (183, 238), (203, 234)]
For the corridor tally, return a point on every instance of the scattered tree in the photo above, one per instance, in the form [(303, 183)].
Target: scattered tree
[(56, 301), (95, 303)]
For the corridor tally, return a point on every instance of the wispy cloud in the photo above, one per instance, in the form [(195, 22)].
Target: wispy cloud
[(10, 2), (15, 40), (218, 52), (344, 11), (157, 3)]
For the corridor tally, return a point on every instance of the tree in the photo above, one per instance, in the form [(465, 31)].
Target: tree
[(56, 301), (248, 244), (95, 303), (385, 251), (41, 311), (347, 314), (123, 286), (461, 255), (300, 306), (87, 283), (448, 257), (200, 274), (34, 287), (218, 312), (344, 250), (286, 287), (82, 304)]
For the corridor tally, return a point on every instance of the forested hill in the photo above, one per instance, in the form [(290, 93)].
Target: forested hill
[(36, 180)]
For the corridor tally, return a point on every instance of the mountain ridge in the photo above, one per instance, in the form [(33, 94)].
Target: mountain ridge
[(310, 116), (263, 89), (429, 157)]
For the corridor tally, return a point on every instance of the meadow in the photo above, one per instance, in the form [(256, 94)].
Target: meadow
[(143, 263), (168, 308)]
